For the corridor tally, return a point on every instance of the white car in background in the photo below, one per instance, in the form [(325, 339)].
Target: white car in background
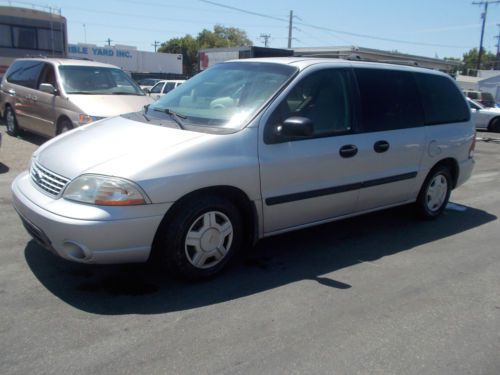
[(163, 87), (485, 118)]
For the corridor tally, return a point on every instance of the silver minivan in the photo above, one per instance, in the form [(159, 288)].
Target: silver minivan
[(49, 96), (245, 150)]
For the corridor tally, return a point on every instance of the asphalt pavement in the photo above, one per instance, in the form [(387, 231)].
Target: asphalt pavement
[(383, 293)]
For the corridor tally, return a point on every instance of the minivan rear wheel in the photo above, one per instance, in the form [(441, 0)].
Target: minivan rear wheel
[(11, 121), (435, 193), (201, 238)]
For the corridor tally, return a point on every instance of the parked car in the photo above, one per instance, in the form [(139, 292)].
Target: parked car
[(49, 96), (147, 83), (244, 150), (485, 98), (163, 87), (485, 118)]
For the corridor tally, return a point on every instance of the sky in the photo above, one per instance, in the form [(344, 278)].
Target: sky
[(433, 28)]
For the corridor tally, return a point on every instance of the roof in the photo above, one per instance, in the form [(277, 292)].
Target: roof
[(74, 62), (304, 62)]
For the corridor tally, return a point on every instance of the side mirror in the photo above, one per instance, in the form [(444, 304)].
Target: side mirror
[(147, 91), (48, 88), (295, 127)]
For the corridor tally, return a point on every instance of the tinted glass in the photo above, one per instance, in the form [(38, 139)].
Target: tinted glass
[(389, 100), (322, 97), (24, 37), (50, 40), (5, 36), (25, 73), (443, 101), (157, 88), (169, 86)]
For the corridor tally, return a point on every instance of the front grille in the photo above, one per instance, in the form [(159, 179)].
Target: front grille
[(47, 181)]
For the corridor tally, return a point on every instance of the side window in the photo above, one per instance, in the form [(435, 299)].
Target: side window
[(443, 101), (169, 86), (473, 106), (157, 88), (25, 73), (389, 100), (24, 37), (5, 36), (323, 97), (48, 76)]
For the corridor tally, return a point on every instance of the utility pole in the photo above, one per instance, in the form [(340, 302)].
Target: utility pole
[(266, 39), (155, 44), (497, 56), (109, 42), (483, 16), (290, 27)]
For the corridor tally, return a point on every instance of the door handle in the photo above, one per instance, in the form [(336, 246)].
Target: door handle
[(11, 92), (348, 151), (381, 146)]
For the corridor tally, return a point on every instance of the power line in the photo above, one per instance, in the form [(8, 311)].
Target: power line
[(156, 44), (266, 39), (483, 16), (366, 36)]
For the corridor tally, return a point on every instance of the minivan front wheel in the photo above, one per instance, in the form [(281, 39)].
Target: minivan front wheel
[(435, 193), (11, 122), (201, 238)]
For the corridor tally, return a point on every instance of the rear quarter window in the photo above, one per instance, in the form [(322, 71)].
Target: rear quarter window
[(443, 102), (389, 99)]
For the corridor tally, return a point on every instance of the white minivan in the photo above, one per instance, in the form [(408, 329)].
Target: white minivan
[(245, 150)]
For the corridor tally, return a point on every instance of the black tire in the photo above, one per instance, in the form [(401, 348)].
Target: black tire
[(176, 255), (440, 179), (11, 122), (64, 126), (494, 125)]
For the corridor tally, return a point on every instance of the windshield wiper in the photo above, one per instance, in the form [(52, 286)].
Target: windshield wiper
[(175, 116), (123, 93)]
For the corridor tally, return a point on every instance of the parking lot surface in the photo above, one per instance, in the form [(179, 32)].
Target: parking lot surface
[(383, 293)]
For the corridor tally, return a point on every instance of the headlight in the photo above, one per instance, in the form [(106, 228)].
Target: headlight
[(86, 119), (104, 191)]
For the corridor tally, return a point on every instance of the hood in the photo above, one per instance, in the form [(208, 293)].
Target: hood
[(85, 148), (109, 105)]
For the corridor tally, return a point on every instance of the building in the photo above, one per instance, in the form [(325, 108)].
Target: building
[(210, 56), (486, 80), (129, 58)]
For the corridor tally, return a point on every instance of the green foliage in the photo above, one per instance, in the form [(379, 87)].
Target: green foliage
[(188, 46), (470, 58)]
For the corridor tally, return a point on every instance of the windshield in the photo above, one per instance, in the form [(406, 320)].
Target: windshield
[(96, 80), (227, 95)]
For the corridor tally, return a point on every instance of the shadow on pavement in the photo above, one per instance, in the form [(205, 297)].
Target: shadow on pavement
[(3, 168), (303, 255), (33, 138)]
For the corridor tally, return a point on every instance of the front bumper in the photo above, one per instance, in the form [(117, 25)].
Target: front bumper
[(95, 236)]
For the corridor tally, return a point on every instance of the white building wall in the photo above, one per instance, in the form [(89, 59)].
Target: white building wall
[(129, 58)]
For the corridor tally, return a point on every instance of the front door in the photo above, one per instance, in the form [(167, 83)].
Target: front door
[(310, 179)]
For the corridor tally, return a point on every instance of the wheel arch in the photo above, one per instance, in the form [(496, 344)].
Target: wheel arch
[(237, 196), (452, 166), (59, 121)]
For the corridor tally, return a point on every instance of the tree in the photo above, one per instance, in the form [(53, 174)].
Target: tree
[(218, 38), (187, 46), (470, 59)]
